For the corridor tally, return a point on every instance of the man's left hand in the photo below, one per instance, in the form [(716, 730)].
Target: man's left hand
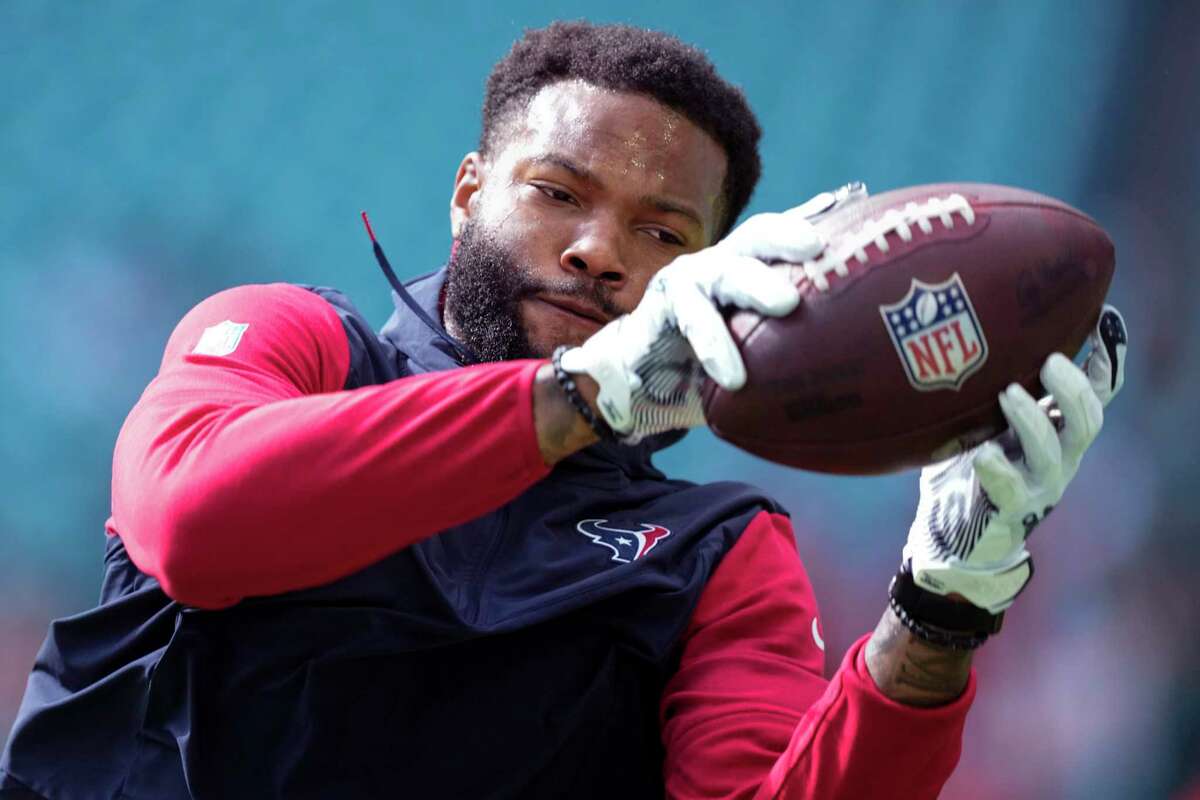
[(977, 509)]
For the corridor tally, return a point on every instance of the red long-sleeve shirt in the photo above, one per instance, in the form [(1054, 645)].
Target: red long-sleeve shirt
[(748, 712)]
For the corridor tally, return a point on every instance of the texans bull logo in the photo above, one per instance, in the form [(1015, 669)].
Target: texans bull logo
[(937, 334), (626, 545)]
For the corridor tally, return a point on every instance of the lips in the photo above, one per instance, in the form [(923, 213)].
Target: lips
[(577, 308)]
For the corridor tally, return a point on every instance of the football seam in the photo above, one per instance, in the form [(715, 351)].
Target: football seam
[(749, 336)]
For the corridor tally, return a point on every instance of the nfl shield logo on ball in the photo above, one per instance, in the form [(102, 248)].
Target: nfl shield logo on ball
[(936, 334)]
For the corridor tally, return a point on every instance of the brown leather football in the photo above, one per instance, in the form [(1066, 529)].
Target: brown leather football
[(925, 304)]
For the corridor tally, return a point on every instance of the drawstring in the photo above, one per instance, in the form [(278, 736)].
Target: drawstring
[(460, 350)]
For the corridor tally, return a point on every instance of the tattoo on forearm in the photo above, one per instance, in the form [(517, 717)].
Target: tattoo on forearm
[(939, 672), (910, 670), (560, 429)]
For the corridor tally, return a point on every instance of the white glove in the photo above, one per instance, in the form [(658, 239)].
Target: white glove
[(651, 362), (977, 509)]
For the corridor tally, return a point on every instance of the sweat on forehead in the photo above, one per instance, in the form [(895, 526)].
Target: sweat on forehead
[(573, 106), (578, 113)]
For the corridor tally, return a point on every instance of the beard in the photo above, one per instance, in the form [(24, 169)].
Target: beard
[(485, 285)]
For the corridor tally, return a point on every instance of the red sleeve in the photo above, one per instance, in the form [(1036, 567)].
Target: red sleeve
[(749, 714), (250, 471)]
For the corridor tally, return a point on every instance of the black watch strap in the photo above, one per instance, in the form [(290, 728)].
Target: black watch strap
[(940, 620)]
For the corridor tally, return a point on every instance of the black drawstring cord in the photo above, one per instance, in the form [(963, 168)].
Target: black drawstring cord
[(460, 350)]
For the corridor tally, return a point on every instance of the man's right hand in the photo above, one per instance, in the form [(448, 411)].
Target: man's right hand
[(649, 364)]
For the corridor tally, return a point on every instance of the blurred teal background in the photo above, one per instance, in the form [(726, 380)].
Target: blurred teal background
[(154, 153)]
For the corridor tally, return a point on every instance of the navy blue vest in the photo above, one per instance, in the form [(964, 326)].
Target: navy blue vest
[(520, 655)]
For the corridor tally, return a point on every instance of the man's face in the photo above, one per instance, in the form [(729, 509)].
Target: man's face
[(585, 197)]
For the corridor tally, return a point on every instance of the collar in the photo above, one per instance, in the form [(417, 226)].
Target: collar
[(427, 351)]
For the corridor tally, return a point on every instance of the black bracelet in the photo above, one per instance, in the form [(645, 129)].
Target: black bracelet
[(569, 388), (937, 636), (940, 620)]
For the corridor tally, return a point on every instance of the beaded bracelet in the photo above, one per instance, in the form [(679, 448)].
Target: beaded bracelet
[(571, 390)]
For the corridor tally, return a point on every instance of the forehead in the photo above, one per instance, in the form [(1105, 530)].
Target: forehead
[(626, 137)]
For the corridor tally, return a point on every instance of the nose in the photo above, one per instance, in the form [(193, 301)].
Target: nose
[(596, 252)]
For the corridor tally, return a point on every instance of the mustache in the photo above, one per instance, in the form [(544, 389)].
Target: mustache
[(586, 290)]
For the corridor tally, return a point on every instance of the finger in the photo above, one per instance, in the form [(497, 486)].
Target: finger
[(703, 326), (827, 201), (1039, 440), (777, 237), (998, 476), (793, 239), (814, 205), (748, 283), (1105, 365), (1082, 411)]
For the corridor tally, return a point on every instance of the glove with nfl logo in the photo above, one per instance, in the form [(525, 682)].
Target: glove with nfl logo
[(977, 509), (650, 363)]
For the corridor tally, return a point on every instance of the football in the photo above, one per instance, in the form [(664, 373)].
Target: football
[(925, 304)]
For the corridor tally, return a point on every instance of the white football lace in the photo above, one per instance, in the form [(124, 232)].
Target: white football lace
[(875, 231)]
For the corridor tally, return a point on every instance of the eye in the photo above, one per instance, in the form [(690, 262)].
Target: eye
[(556, 194), (665, 236)]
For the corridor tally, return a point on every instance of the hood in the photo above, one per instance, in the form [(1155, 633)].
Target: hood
[(431, 350)]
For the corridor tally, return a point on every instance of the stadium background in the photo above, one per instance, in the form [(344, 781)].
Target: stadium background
[(151, 154)]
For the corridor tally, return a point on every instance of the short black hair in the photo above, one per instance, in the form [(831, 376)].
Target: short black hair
[(629, 59)]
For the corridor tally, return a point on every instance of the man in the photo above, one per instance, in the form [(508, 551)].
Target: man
[(346, 565)]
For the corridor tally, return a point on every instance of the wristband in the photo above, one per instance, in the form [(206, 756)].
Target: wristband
[(940, 620), (599, 426)]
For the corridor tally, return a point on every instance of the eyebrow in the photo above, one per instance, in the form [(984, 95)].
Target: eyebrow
[(657, 202), (671, 207)]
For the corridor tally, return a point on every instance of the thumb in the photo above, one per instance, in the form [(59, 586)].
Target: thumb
[(1105, 365)]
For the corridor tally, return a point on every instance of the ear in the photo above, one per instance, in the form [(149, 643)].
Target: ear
[(467, 184)]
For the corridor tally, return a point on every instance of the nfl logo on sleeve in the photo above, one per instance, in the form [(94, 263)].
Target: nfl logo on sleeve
[(220, 339), (936, 334)]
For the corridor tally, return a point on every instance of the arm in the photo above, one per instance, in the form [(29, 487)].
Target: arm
[(912, 671), (889, 723), (962, 570), (561, 430), (749, 713), (255, 473)]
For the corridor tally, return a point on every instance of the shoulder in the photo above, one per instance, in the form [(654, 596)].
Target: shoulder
[(293, 319), (742, 493), (277, 328), (731, 502), (275, 312), (266, 303), (751, 533)]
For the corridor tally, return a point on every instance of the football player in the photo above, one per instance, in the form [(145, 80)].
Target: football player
[(437, 560)]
